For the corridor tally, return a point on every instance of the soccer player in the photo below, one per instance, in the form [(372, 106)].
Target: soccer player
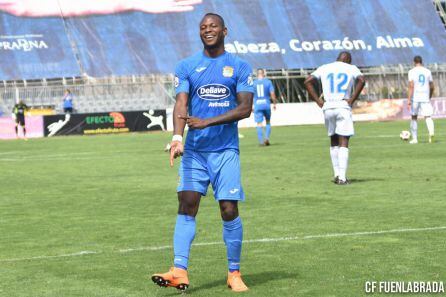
[(421, 89), (213, 91), (341, 85), (18, 112), (263, 93)]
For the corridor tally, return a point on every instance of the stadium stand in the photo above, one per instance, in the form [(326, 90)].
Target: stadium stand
[(93, 95)]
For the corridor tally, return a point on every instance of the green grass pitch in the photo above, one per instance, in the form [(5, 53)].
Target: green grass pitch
[(94, 216)]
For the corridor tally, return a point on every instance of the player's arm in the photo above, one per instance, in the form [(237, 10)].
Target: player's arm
[(359, 85), (309, 85), (179, 112), (410, 94), (431, 89), (273, 96), (243, 110)]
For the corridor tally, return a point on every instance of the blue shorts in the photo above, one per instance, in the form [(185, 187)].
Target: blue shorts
[(260, 114), (221, 169)]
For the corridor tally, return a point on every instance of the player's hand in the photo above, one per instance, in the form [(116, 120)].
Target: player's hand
[(176, 150), (320, 103), (350, 102), (409, 105), (195, 123)]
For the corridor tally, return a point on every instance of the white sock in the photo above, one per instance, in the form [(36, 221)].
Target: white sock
[(430, 126), (414, 129), (343, 162), (334, 159)]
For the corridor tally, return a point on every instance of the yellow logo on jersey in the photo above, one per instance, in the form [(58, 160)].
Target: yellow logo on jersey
[(228, 71)]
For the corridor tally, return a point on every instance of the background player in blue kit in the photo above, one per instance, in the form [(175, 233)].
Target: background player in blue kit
[(263, 93), (213, 92)]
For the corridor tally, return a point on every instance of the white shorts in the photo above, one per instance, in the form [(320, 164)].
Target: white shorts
[(339, 121), (423, 109)]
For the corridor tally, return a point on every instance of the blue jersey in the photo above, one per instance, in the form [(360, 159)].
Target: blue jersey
[(68, 101), (212, 85), (262, 90)]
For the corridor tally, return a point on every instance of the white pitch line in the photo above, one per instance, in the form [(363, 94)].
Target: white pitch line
[(259, 240), (293, 238), (82, 253), (278, 239), (68, 159)]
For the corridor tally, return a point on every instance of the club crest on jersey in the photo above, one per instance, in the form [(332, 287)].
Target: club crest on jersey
[(228, 71), (176, 82), (213, 92)]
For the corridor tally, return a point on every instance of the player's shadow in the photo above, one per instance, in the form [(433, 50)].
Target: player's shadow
[(364, 180), (251, 279)]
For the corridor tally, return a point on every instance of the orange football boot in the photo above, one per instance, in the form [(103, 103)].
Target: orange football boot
[(176, 277), (235, 282)]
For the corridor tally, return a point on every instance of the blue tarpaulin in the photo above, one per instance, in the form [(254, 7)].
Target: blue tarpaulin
[(273, 34)]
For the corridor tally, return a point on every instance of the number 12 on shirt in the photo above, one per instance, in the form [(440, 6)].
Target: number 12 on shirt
[(338, 85)]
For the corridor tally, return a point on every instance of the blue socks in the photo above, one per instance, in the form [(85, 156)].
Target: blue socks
[(182, 240), (268, 130), (233, 236), (260, 134), (185, 233)]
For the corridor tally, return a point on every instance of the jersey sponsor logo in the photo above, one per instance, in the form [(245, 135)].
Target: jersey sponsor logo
[(219, 104), (200, 69), (261, 101), (213, 92), (228, 71)]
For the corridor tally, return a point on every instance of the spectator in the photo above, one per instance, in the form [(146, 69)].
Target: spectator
[(68, 102)]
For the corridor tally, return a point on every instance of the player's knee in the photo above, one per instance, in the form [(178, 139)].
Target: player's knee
[(188, 209), (188, 204), (228, 210), (334, 139), (343, 141)]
